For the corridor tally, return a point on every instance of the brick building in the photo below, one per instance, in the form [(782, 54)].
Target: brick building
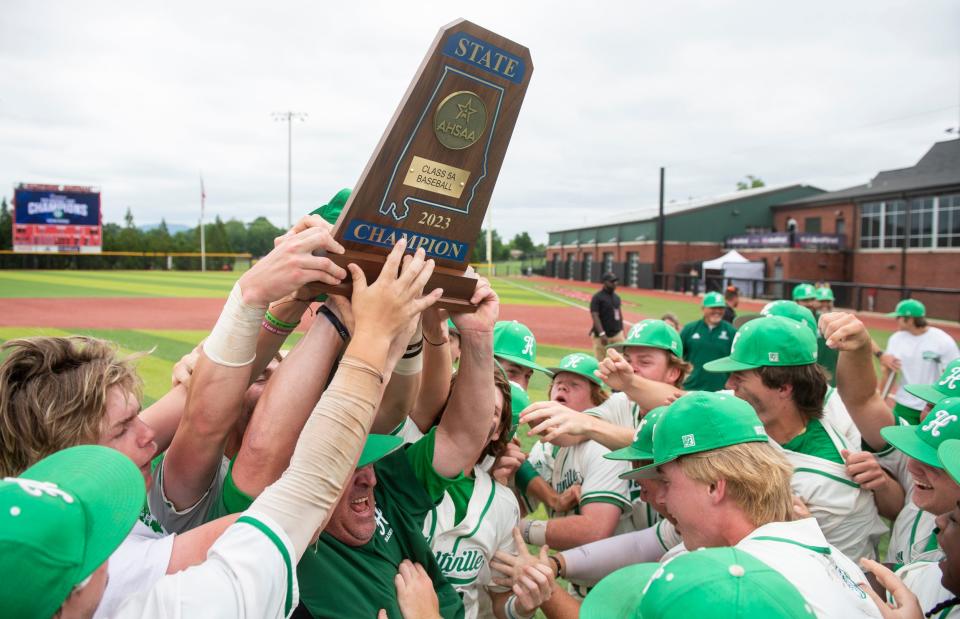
[(902, 228)]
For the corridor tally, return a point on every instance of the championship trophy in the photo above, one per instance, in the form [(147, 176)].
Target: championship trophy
[(432, 174)]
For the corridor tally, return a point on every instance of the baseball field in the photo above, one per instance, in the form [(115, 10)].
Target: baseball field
[(169, 312)]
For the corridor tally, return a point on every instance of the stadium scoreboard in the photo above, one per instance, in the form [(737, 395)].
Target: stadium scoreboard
[(57, 218)]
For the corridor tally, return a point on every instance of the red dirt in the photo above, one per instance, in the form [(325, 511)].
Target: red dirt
[(559, 326)]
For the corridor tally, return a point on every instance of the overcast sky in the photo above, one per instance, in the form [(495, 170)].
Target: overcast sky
[(140, 98)]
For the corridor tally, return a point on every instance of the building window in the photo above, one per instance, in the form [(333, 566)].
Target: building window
[(948, 221), (841, 225), (921, 222), (608, 262), (811, 224), (587, 267), (871, 219), (894, 220), (633, 269)]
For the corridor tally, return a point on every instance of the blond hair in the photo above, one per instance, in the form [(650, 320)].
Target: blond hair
[(53, 395), (757, 478)]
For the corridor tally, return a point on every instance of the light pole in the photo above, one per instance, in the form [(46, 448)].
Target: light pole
[(289, 117)]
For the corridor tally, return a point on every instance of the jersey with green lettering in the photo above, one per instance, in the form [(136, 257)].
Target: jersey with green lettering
[(598, 477), (464, 547), (701, 344), (338, 580)]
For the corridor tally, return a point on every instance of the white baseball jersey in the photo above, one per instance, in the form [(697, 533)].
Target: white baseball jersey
[(248, 573), (922, 359), (825, 577), (846, 513), (912, 534), (408, 431), (618, 409), (541, 458), (464, 550), (137, 564), (922, 577), (598, 477), (835, 412)]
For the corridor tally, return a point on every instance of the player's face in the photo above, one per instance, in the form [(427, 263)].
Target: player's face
[(649, 491), (811, 304), (712, 315), (516, 373), (826, 306), (571, 390), (934, 490), (748, 386), (124, 431), (353, 521), (949, 539), (691, 503), (651, 363), (83, 603)]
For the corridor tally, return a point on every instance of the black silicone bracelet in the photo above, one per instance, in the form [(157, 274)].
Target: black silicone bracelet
[(341, 330)]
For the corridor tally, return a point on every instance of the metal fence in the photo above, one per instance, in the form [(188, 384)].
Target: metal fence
[(941, 303)]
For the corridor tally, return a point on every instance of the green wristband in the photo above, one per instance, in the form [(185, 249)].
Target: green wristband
[(276, 322), (525, 474)]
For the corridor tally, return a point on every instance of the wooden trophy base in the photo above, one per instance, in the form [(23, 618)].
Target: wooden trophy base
[(457, 288)]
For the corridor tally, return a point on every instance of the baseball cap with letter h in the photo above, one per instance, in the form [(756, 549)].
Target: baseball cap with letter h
[(514, 342), (921, 441), (60, 521)]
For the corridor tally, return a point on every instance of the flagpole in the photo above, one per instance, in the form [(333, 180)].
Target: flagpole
[(203, 236)]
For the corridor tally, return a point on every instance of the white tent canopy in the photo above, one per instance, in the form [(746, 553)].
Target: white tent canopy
[(737, 270)]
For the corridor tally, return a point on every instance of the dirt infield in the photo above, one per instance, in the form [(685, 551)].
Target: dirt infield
[(559, 326)]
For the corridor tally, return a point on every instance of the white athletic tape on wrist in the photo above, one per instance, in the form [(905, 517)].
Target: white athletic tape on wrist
[(412, 361), (233, 341), (535, 532), (511, 611)]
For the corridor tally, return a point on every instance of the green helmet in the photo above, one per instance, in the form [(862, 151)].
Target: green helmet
[(921, 442), (653, 333), (769, 341), (804, 292), (514, 342), (701, 421), (825, 294), (332, 209), (948, 385), (60, 520), (721, 583), (909, 308), (581, 364), (787, 309), (713, 299), (642, 447)]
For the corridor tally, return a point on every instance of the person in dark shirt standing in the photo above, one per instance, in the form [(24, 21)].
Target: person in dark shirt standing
[(607, 320), (705, 340), (732, 297)]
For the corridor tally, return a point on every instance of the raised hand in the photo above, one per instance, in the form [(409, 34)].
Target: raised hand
[(844, 332), (552, 421), (389, 305), (615, 371), (487, 311), (292, 264)]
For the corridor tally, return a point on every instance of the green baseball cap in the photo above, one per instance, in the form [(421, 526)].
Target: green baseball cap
[(332, 209), (713, 299), (642, 447), (514, 342), (652, 333), (948, 385), (721, 583), (580, 364), (949, 455), (378, 446), (700, 421), (824, 294), (909, 308), (59, 521), (804, 292), (770, 341), (787, 309), (519, 400), (921, 441)]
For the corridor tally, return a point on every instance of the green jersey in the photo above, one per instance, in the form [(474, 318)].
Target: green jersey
[(701, 344), (338, 580)]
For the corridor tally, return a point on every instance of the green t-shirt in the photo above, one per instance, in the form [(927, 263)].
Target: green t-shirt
[(337, 580), (814, 441), (701, 344)]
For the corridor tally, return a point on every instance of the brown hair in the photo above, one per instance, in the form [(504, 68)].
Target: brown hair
[(685, 367), (757, 478), (809, 384), (53, 395)]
